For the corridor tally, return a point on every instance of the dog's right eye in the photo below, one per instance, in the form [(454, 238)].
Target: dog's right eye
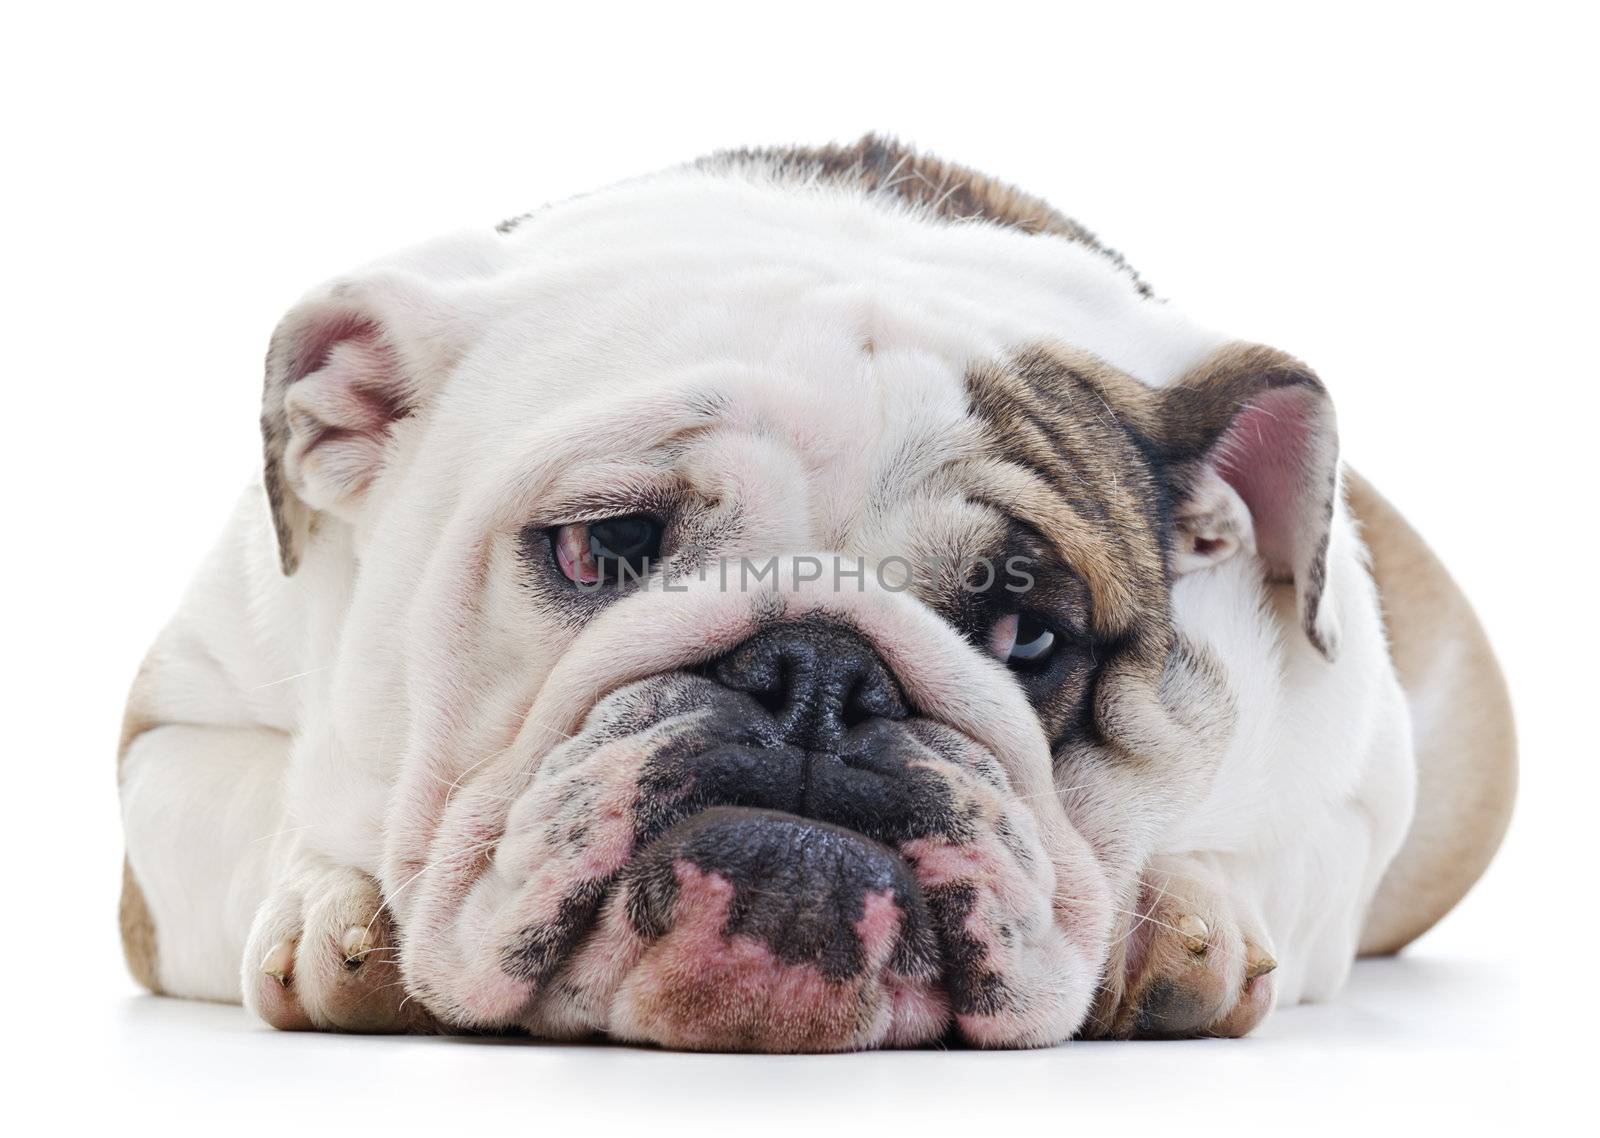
[(610, 551)]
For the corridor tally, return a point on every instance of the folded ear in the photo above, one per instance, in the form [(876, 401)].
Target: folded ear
[(1250, 441), (344, 366)]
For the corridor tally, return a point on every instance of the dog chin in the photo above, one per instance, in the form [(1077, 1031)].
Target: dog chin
[(744, 929), (672, 875)]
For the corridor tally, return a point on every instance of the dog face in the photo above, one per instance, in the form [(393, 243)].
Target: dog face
[(762, 634)]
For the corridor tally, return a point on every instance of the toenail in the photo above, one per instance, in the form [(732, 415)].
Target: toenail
[(356, 944), (1193, 931), (1259, 966), (279, 962)]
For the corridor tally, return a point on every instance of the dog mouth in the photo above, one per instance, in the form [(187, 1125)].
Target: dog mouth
[(759, 930), (705, 867), (770, 897)]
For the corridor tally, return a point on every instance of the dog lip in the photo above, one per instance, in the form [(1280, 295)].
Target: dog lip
[(646, 878), (870, 784), (756, 815), (689, 827), (800, 885)]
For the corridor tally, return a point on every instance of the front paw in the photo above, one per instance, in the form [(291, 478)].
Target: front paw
[(1193, 961), (322, 955)]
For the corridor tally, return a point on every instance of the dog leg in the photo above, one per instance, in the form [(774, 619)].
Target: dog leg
[(207, 840), (216, 849), (200, 806)]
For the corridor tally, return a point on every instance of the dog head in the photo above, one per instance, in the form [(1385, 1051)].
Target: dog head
[(761, 631)]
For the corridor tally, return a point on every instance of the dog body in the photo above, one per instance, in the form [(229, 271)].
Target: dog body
[(409, 754)]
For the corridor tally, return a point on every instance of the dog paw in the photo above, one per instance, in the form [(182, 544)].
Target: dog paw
[(322, 956), (1194, 961)]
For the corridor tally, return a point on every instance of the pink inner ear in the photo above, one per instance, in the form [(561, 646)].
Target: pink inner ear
[(357, 385), (1263, 456), (315, 338), (345, 390)]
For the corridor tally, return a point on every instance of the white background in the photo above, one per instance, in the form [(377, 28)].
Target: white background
[(1403, 196)]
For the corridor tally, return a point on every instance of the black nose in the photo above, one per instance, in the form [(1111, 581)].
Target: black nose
[(817, 680)]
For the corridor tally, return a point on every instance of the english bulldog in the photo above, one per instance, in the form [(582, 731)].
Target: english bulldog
[(805, 600)]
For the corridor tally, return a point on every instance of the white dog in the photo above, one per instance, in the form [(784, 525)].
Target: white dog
[(806, 600)]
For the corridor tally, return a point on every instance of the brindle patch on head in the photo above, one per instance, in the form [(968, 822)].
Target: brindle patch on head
[(1100, 464), (885, 168), (1065, 455), (1061, 420)]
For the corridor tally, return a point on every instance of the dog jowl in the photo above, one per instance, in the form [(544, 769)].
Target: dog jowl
[(786, 856), (757, 608)]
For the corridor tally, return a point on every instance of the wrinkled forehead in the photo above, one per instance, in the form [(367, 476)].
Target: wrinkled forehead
[(893, 454), (818, 453), (827, 365), (680, 269)]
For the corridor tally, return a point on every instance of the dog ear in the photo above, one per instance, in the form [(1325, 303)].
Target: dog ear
[(344, 366), (1250, 441)]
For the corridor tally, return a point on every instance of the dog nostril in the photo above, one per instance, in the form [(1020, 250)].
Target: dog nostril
[(774, 695), (882, 698), (855, 710), (869, 698)]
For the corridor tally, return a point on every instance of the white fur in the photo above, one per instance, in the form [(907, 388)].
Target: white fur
[(334, 708), (1314, 794)]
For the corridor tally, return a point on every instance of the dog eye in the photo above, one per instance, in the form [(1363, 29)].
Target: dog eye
[(609, 551), (1022, 641)]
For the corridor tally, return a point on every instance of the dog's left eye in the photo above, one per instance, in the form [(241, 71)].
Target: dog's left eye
[(609, 551), (1021, 640)]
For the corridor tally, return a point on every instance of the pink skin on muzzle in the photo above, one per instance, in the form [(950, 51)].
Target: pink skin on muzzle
[(520, 915)]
